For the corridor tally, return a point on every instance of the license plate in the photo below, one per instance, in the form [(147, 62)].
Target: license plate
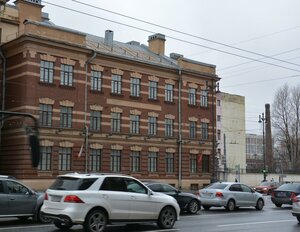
[(206, 194), (281, 194), (55, 198)]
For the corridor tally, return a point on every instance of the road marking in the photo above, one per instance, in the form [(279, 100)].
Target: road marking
[(19, 227), (43, 226), (162, 230), (254, 223), (220, 214)]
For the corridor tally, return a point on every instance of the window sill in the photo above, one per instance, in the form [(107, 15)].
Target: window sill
[(92, 91), (47, 173), (67, 87), (170, 103), (47, 84), (153, 100), (117, 94), (135, 97), (204, 107), (192, 105), (46, 126)]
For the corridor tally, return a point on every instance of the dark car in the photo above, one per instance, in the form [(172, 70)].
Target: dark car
[(188, 202), (17, 200), (285, 194), (267, 187)]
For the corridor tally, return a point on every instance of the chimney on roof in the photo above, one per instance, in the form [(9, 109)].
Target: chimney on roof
[(109, 37), (157, 43), (29, 9), (3, 2)]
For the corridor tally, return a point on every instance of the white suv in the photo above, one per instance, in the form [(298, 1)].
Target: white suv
[(95, 200)]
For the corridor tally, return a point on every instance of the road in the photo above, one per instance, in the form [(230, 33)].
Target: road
[(270, 219)]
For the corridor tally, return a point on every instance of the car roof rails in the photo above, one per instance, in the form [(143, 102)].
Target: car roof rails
[(7, 177)]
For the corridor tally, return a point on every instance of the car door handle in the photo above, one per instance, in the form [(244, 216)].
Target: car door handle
[(12, 199), (132, 197), (105, 196)]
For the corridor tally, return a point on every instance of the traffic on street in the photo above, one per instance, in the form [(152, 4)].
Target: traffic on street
[(271, 218)]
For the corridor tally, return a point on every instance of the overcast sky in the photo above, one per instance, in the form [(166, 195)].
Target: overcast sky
[(267, 27)]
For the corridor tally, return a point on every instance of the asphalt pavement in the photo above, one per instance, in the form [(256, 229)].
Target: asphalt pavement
[(270, 219)]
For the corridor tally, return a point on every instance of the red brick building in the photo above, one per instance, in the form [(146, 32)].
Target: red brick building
[(103, 105)]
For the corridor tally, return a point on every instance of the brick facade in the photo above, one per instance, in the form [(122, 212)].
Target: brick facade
[(25, 92)]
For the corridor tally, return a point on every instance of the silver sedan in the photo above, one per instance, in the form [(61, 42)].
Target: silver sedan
[(296, 207), (230, 195)]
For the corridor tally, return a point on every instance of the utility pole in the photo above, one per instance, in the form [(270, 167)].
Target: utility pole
[(262, 119)]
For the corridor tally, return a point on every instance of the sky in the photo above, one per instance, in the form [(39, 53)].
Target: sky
[(266, 34)]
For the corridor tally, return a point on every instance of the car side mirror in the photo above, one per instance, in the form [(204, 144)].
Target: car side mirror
[(29, 193)]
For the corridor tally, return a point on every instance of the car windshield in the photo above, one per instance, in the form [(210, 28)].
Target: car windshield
[(71, 183), (290, 187), (264, 184), (217, 186)]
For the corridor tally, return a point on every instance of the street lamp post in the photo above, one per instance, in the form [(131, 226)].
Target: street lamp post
[(262, 119)]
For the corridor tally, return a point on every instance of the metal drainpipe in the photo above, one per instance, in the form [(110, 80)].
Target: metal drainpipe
[(3, 90), (3, 79), (86, 128), (180, 130), (213, 179)]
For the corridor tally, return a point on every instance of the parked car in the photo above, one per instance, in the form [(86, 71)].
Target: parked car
[(95, 200), (230, 195), (285, 193), (267, 187), (18, 200), (296, 207), (188, 202)]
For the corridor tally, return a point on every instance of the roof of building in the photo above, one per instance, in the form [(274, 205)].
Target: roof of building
[(131, 50)]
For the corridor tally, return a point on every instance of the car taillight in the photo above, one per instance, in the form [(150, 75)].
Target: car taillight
[(294, 197), (219, 194), (73, 199), (46, 197), (273, 194)]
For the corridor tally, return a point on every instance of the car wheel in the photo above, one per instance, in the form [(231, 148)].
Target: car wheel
[(278, 205), (64, 225), (230, 205), (259, 204), (96, 221), (298, 218), (206, 207), (167, 218), (193, 207), (41, 217)]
